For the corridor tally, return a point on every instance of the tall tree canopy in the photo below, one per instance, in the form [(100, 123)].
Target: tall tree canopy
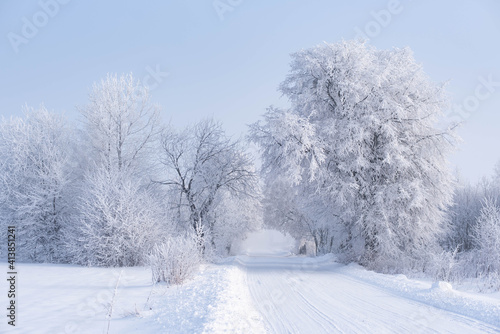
[(361, 139)]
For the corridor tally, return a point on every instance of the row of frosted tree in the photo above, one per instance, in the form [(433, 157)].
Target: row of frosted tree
[(109, 192), (357, 164)]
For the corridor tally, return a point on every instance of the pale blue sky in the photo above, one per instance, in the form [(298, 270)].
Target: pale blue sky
[(231, 68)]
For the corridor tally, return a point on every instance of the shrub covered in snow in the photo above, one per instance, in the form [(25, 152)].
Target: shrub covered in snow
[(174, 260), (119, 222)]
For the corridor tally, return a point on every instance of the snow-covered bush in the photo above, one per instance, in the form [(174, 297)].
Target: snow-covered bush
[(174, 260), (490, 282), (119, 221), (444, 266)]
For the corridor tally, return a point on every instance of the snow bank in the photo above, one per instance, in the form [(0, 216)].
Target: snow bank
[(442, 286), (437, 294), (235, 312), (187, 308)]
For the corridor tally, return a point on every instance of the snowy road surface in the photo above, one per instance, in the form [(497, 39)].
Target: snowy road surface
[(304, 295)]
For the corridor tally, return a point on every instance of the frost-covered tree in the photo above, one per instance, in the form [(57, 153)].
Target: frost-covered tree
[(486, 234), (464, 213), (121, 123), (118, 220), (36, 174), (473, 237), (200, 163), (361, 137), (283, 209), (234, 217)]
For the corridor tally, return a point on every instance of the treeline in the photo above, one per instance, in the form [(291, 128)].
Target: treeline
[(357, 164), (122, 186)]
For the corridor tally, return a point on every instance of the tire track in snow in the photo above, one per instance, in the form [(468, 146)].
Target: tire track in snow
[(294, 296)]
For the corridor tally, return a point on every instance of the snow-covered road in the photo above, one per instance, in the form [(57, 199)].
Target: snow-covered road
[(304, 295)]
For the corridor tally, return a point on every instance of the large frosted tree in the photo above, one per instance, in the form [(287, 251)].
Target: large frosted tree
[(36, 176), (118, 218), (361, 137)]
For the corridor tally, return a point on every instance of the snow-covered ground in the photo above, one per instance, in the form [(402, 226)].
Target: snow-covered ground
[(264, 290), (69, 299)]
